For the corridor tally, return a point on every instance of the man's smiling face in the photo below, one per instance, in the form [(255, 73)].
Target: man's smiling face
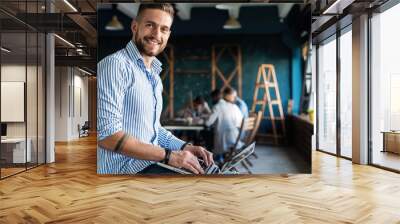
[(151, 31)]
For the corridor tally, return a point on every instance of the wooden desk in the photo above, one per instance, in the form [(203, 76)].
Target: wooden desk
[(391, 141), (299, 133), (192, 132), (175, 125), (13, 150)]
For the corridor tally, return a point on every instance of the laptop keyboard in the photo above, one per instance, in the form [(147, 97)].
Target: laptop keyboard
[(212, 169)]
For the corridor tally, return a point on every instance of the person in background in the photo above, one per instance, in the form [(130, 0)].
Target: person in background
[(230, 95), (208, 132), (198, 109), (239, 102), (201, 107), (227, 118), (216, 95)]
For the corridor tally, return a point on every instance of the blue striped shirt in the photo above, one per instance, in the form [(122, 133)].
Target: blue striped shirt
[(129, 100)]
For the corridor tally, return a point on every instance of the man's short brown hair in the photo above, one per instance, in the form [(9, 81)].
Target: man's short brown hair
[(228, 91), (166, 7)]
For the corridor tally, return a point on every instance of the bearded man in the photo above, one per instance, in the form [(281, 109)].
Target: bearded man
[(130, 137)]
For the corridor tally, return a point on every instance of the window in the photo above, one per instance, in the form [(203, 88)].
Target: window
[(327, 96), (385, 88), (346, 93), (22, 69)]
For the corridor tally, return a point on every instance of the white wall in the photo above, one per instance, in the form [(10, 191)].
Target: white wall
[(33, 127), (80, 110), (71, 93), (61, 104), (12, 73)]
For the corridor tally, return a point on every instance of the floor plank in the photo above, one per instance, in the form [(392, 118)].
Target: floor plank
[(70, 191)]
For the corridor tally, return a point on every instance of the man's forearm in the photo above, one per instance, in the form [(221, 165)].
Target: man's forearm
[(167, 140), (133, 147)]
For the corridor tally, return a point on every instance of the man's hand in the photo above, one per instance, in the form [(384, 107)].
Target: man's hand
[(200, 152), (185, 159)]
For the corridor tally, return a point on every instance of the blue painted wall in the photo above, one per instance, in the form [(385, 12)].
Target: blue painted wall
[(256, 49), (296, 79), (263, 39)]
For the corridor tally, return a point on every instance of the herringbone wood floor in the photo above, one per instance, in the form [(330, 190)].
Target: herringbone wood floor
[(69, 191)]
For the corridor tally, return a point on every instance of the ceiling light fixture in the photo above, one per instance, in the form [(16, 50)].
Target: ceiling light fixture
[(224, 6), (65, 41), (79, 44), (233, 12), (70, 5), (114, 24), (5, 50), (79, 51), (84, 71), (232, 23)]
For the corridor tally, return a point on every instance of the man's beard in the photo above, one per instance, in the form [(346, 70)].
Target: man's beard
[(140, 46)]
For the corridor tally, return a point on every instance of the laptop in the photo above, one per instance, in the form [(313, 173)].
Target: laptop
[(214, 169)]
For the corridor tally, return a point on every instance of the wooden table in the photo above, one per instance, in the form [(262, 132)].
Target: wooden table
[(13, 150), (173, 125), (189, 132)]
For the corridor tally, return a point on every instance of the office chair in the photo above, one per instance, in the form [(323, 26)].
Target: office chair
[(248, 129), (84, 130)]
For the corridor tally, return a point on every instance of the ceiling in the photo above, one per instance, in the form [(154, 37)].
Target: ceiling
[(184, 9), (19, 53), (76, 20), (76, 24), (207, 19)]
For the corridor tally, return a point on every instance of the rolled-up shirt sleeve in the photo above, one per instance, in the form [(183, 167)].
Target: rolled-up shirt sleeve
[(111, 83), (167, 140)]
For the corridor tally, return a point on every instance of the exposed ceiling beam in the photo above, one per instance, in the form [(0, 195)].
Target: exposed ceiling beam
[(316, 25), (84, 24), (82, 61), (63, 6), (64, 41), (68, 8), (93, 7), (337, 6)]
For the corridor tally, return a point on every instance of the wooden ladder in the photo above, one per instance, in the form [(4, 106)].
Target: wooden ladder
[(266, 79)]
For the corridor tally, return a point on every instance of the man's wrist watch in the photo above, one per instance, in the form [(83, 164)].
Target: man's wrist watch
[(186, 144), (167, 156)]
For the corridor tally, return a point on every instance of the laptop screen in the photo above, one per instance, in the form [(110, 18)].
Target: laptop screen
[(239, 157)]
